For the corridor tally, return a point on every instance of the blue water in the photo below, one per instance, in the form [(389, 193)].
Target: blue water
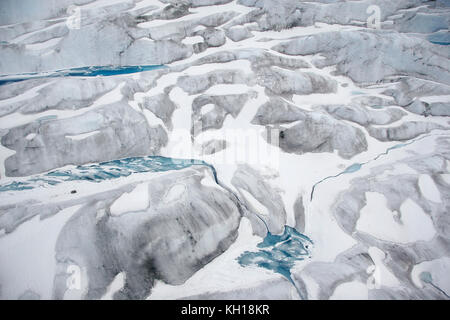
[(442, 39), (279, 253), (105, 171), (92, 71), (353, 168)]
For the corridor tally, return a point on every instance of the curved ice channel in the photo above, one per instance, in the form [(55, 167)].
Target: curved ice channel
[(104, 171)]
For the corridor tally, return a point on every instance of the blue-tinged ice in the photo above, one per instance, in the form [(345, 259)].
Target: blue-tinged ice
[(104, 171)]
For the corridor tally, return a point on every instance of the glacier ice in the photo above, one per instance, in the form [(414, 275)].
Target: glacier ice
[(116, 157)]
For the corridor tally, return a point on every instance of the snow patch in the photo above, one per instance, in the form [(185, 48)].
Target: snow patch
[(136, 200), (175, 193), (27, 256), (353, 290), (428, 188), (376, 219)]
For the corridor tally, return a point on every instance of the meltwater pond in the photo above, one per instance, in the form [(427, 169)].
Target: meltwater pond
[(91, 71), (440, 38), (104, 171), (279, 253)]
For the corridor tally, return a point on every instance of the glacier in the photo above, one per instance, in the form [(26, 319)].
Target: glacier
[(225, 149)]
